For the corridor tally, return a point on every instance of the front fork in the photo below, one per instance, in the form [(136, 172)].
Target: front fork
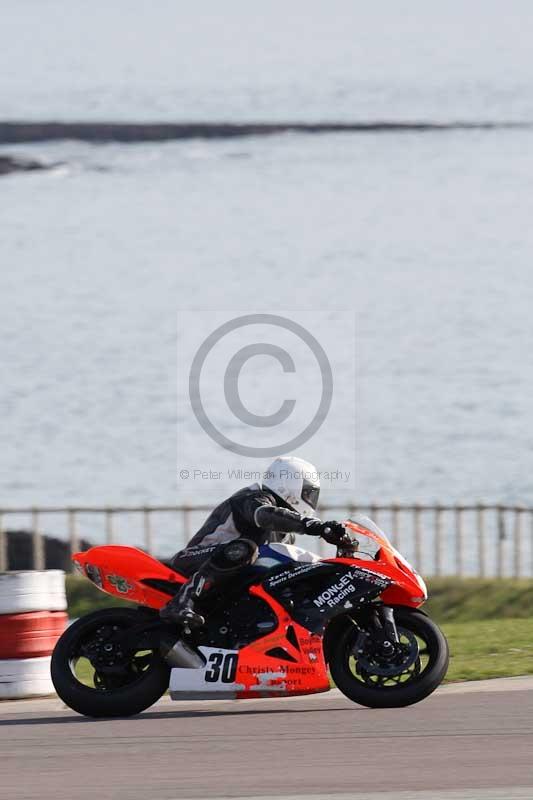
[(381, 630), (388, 624)]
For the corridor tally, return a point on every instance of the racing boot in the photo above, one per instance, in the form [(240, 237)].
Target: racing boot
[(181, 609)]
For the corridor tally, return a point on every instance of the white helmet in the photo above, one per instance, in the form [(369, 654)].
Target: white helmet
[(297, 483)]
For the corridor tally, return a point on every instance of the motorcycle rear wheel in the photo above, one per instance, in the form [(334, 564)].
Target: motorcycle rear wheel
[(424, 675), (137, 681)]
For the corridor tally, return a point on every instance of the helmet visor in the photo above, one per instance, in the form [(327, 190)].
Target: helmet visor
[(310, 493)]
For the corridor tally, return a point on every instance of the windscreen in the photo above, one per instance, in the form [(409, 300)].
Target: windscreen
[(368, 546), (366, 522)]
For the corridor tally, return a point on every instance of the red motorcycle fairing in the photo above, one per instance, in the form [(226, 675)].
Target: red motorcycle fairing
[(298, 666), (290, 659), (123, 572), (407, 588)]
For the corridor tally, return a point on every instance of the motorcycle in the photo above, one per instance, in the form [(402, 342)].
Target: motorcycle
[(274, 633)]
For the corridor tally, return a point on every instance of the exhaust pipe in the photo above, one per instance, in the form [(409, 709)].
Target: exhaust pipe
[(179, 654)]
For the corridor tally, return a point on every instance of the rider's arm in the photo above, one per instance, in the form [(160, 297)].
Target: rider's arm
[(274, 518), (284, 520), (262, 513)]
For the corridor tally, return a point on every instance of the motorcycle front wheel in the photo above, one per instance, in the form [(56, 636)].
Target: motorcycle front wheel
[(366, 675), (96, 676)]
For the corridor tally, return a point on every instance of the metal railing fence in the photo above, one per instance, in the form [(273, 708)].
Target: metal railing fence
[(477, 539)]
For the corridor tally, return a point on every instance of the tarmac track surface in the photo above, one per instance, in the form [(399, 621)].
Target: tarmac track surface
[(466, 742)]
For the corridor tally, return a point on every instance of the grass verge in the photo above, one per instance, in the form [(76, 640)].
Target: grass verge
[(497, 648), (468, 599)]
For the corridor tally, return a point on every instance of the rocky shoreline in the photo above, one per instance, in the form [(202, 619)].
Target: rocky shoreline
[(56, 552), (9, 164), (101, 132)]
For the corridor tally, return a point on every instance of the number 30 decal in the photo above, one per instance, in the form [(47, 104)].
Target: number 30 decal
[(221, 668)]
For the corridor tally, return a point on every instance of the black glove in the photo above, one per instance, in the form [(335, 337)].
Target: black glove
[(332, 532)]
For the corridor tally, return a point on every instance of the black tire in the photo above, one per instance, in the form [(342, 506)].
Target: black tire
[(402, 694), (123, 701)]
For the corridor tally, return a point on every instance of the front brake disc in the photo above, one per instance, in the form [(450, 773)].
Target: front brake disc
[(404, 656)]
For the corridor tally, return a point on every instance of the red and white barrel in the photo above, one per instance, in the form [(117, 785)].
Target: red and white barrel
[(32, 617)]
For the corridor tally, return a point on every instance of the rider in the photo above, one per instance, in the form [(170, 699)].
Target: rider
[(227, 543)]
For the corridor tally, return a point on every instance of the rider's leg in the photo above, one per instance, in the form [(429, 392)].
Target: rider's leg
[(226, 561)]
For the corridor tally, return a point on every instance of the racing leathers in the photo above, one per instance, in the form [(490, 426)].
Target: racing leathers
[(228, 542)]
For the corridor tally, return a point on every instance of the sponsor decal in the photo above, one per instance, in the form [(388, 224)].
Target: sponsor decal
[(287, 574), (310, 641), (340, 590), (287, 670), (120, 584)]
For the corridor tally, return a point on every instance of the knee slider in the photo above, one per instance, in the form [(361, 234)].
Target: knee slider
[(234, 555)]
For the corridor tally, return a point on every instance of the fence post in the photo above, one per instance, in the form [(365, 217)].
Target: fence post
[(395, 525), (73, 531), (480, 526), (186, 524), (148, 543), (37, 541), (109, 533), (531, 541), (438, 540), (501, 540), (418, 539), (459, 541), (4, 565), (517, 542)]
